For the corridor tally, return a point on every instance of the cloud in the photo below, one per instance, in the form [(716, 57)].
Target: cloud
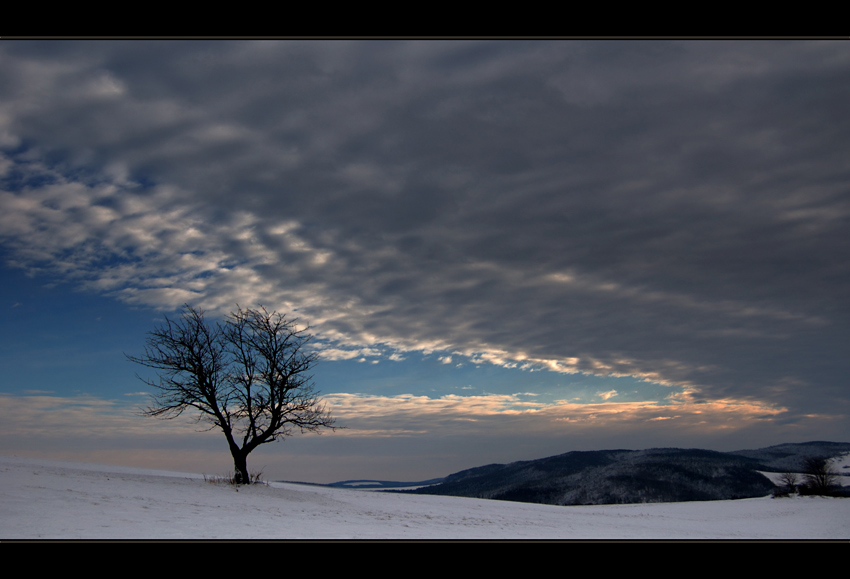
[(92, 418), (671, 211), (496, 415), (409, 435), (38, 416)]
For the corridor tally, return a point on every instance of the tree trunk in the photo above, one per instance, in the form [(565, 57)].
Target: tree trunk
[(240, 464)]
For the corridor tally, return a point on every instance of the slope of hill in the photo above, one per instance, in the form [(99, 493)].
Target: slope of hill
[(630, 476), (42, 499)]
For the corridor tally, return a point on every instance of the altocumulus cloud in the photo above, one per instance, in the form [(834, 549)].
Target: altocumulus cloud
[(449, 414), (673, 211)]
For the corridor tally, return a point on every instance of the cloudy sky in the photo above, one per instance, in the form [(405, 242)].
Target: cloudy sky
[(505, 250)]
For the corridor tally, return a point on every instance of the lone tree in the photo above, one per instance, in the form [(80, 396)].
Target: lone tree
[(249, 377)]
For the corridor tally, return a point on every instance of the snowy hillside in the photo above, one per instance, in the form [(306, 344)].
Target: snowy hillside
[(42, 499), (659, 475)]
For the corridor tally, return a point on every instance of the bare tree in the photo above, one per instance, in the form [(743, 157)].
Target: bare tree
[(819, 474), (249, 377), (789, 480)]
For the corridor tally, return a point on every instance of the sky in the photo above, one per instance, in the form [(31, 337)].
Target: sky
[(504, 249)]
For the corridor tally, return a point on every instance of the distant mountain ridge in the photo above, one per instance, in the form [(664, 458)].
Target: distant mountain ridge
[(633, 476)]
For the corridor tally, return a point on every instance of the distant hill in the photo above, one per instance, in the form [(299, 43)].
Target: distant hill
[(381, 484), (789, 457), (632, 476)]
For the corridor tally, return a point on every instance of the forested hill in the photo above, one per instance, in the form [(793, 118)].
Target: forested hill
[(789, 457), (632, 476)]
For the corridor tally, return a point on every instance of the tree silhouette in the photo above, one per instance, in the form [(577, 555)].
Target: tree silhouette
[(249, 377), (819, 474)]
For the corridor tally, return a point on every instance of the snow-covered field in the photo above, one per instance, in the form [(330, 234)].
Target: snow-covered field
[(42, 499)]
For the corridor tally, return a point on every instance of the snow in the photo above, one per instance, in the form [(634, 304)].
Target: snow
[(841, 465), (41, 499)]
